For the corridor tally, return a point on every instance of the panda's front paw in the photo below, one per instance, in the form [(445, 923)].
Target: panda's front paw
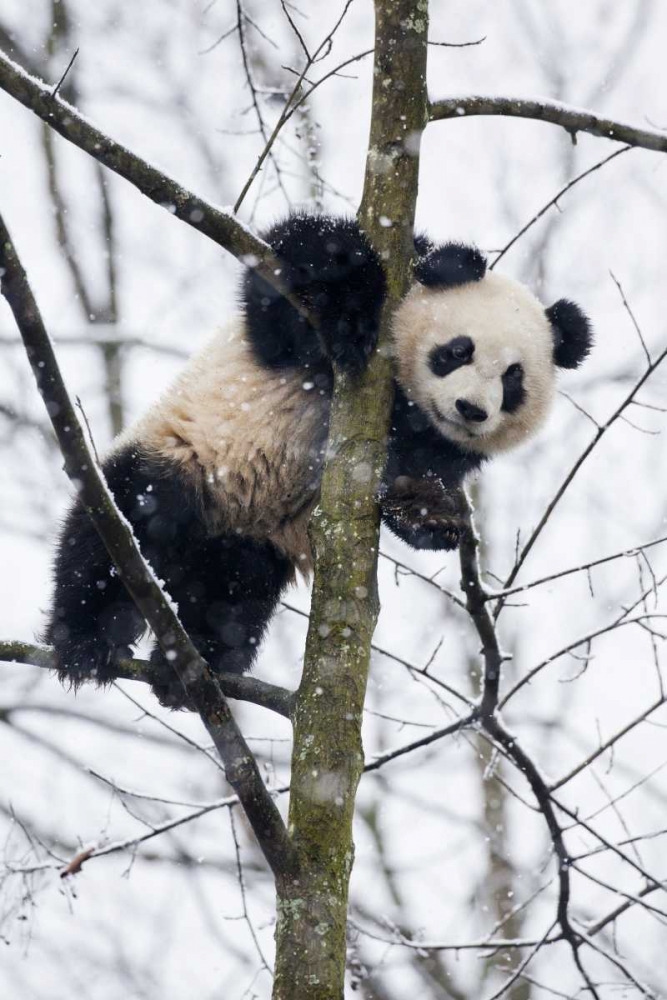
[(350, 342), (437, 533), (423, 513)]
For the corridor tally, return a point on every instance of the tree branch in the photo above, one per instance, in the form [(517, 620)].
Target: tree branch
[(116, 534), (476, 597), (599, 434), (221, 227), (249, 689), (572, 119)]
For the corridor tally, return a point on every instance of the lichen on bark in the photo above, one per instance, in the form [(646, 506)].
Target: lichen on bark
[(328, 755)]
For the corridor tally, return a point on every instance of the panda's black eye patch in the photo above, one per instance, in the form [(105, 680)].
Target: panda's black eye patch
[(514, 393), (446, 358)]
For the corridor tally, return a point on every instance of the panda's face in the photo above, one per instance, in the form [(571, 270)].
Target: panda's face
[(478, 360)]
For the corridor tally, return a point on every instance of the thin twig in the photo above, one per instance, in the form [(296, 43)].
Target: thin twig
[(439, 734), (409, 571), (499, 594), (633, 320), (600, 433), (292, 105), (60, 82), (471, 585), (240, 16), (555, 200), (618, 622), (458, 45), (606, 745)]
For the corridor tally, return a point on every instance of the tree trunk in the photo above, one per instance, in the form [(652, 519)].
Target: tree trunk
[(328, 755)]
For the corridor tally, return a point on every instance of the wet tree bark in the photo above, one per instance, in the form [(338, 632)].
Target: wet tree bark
[(328, 755)]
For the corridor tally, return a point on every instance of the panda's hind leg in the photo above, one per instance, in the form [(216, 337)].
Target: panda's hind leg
[(93, 620), (226, 588)]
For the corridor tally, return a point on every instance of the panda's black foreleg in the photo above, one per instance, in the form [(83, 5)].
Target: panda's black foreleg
[(421, 496), (226, 589), (329, 264), (423, 513)]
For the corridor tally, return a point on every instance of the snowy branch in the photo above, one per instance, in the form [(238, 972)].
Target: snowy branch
[(572, 119)]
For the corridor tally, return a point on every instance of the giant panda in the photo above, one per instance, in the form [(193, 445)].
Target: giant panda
[(221, 475)]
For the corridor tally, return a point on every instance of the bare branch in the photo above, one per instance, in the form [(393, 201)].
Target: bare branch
[(600, 433), (583, 567), (219, 226), (409, 571), (471, 585), (439, 734), (458, 45), (54, 92), (572, 119), (241, 16), (633, 319), (116, 534), (249, 689), (130, 843), (293, 104), (606, 745)]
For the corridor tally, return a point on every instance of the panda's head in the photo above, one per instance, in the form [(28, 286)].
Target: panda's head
[(478, 353)]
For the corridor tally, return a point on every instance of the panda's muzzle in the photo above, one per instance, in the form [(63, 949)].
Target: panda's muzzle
[(470, 411), (459, 424)]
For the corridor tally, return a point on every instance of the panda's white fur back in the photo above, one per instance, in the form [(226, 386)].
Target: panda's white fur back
[(257, 437)]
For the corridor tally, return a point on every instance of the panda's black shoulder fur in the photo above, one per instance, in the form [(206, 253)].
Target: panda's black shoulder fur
[(330, 264)]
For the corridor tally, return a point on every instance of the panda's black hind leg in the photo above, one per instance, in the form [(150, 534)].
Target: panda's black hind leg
[(226, 589), (93, 621)]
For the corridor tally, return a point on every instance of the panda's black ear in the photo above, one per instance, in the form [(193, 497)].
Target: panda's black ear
[(449, 265), (572, 331)]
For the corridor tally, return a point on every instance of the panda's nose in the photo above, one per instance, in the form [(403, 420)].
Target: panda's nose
[(471, 412)]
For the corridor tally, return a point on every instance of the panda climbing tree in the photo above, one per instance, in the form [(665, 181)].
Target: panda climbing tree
[(220, 478)]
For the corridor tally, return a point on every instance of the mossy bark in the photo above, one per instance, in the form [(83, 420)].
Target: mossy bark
[(328, 754)]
